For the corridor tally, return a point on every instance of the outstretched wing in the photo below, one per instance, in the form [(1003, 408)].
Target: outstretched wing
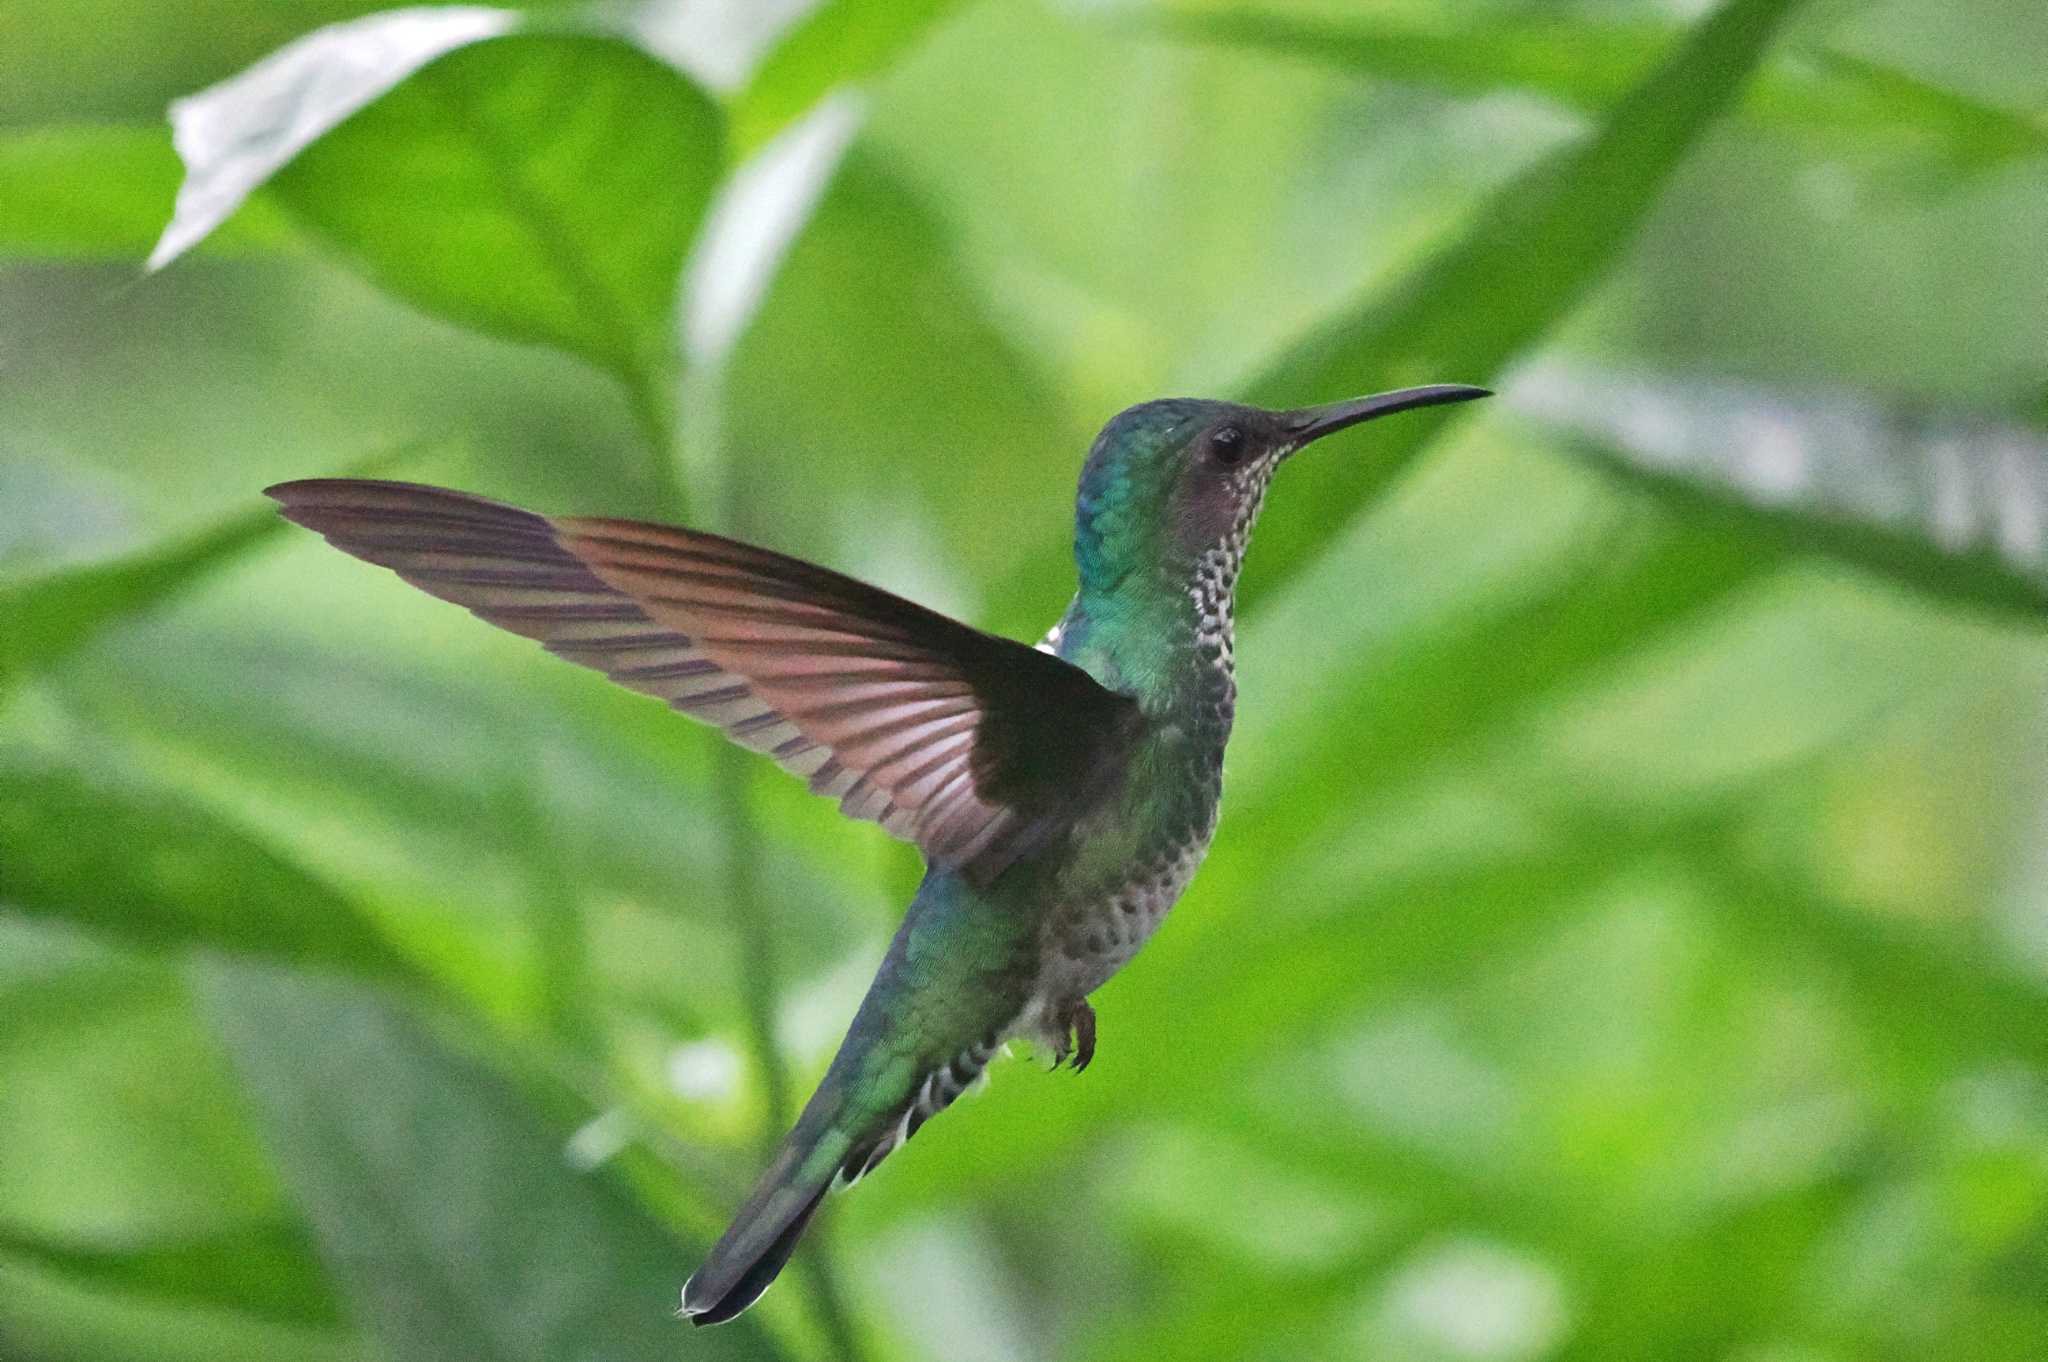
[(973, 747)]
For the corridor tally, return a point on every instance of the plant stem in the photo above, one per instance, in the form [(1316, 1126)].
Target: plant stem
[(705, 456), (653, 406), (828, 1299), (557, 916), (758, 954)]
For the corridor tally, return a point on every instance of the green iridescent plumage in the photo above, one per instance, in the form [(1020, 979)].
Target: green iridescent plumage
[(1063, 796)]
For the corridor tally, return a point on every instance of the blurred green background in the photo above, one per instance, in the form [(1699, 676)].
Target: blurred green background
[(1628, 932)]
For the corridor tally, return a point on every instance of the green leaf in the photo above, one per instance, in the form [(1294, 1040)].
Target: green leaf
[(101, 1148), (1951, 506), (442, 1203), (49, 1316), (182, 877), (264, 1271), (1533, 252), (842, 42), (543, 188), (1846, 103), (50, 616), (91, 191), (1897, 109), (1576, 61), (1922, 989)]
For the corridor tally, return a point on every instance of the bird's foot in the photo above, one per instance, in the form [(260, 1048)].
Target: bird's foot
[(1077, 1036)]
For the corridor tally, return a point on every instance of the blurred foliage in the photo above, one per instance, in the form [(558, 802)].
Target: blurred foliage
[(1628, 933)]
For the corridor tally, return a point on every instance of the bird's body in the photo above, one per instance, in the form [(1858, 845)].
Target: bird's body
[(1064, 796)]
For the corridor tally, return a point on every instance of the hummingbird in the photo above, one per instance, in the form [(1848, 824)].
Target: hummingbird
[(1062, 794)]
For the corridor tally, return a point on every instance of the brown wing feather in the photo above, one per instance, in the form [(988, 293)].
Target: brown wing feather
[(974, 747)]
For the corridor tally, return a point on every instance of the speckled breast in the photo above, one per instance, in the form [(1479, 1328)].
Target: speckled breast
[(1088, 941), (1096, 929)]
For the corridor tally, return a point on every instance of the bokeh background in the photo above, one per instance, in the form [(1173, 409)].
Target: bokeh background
[(1628, 933)]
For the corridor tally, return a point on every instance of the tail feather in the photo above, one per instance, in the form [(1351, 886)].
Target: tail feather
[(879, 1089), (830, 1141), (747, 1257), (714, 1299)]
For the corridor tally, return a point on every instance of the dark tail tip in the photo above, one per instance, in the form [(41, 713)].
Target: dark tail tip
[(725, 1286)]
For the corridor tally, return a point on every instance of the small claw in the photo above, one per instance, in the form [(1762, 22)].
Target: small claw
[(1084, 1034)]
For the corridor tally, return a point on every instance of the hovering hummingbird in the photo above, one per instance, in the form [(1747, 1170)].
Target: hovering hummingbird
[(1062, 795)]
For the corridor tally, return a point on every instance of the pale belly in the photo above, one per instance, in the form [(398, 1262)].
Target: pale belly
[(1087, 940)]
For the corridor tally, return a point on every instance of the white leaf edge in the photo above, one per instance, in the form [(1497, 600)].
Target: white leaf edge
[(235, 135)]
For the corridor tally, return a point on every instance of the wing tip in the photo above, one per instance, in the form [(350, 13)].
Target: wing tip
[(298, 491), (293, 490), (342, 506)]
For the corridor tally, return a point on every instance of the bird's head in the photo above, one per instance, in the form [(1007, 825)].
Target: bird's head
[(1171, 483)]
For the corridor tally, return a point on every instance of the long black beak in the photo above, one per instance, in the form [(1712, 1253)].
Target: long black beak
[(1313, 423)]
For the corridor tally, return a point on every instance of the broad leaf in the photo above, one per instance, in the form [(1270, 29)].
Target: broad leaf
[(100, 1149), (442, 1203), (538, 187), (1530, 256), (140, 1219), (543, 187), (183, 877), (1951, 506)]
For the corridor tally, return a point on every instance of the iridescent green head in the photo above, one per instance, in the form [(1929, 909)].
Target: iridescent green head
[(1171, 481)]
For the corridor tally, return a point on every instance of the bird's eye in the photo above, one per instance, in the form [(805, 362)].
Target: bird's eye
[(1227, 444)]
